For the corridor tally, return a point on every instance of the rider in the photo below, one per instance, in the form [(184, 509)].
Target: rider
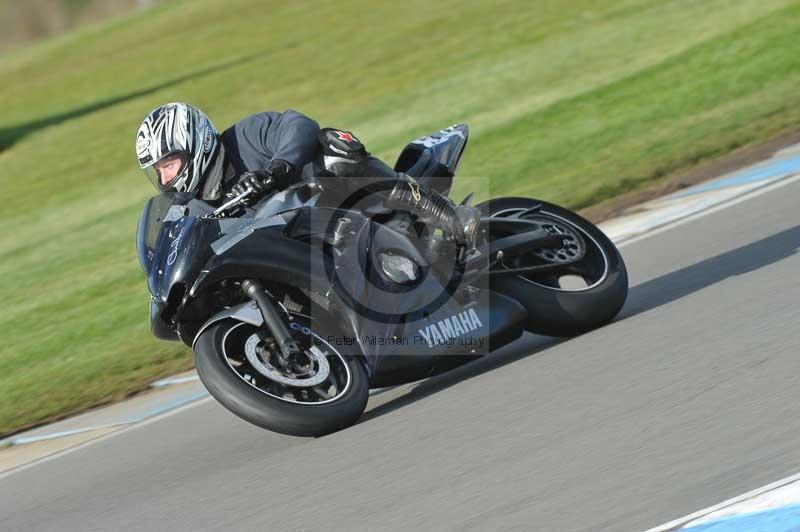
[(179, 149)]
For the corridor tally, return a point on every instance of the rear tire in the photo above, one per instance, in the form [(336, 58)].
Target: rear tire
[(555, 311), (249, 402)]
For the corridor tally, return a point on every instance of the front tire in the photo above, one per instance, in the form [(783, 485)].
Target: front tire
[(223, 369), (554, 310)]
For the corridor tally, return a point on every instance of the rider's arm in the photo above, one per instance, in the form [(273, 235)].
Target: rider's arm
[(256, 142), (292, 137)]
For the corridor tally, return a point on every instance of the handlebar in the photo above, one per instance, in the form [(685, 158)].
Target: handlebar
[(232, 202)]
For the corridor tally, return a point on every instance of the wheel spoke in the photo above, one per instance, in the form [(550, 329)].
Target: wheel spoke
[(321, 391), (579, 259)]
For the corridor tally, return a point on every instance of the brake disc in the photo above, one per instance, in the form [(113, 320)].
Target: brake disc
[(276, 374)]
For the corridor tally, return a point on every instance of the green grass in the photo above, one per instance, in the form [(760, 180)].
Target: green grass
[(572, 102)]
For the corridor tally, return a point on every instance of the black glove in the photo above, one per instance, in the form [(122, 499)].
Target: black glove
[(282, 173), (260, 181), (277, 175)]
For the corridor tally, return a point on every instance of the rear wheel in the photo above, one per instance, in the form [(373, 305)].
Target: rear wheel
[(580, 286), (323, 392)]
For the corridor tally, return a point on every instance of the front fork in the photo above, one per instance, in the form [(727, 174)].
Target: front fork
[(272, 319)]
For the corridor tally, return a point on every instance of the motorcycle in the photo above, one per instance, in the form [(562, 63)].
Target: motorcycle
[(299, 305)]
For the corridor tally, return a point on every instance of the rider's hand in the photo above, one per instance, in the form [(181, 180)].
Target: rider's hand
[(260, 181), (278, 175), (281, 173)]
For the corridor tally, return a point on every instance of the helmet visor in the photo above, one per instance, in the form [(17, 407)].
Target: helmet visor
[(165, 173)]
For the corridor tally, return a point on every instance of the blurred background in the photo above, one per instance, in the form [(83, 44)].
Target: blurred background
[(570, 101), (25, 22)]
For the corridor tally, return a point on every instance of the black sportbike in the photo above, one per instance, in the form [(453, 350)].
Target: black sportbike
[(297, 306)]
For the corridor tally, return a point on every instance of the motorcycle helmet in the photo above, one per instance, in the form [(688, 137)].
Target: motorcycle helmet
[(176, 146)]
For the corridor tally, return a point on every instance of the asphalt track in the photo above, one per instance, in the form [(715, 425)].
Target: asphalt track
[(689, 398)]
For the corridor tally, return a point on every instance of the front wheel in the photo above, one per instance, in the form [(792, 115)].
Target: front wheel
[(585, 283), (235, 362)]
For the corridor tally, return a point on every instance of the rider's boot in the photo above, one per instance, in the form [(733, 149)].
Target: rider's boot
[(431, 207)]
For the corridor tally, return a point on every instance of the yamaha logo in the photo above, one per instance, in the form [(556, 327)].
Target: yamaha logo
[(444, 331)]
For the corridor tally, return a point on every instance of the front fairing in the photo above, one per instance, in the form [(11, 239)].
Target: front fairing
[(157, 216), (173, 243), (163, 226)]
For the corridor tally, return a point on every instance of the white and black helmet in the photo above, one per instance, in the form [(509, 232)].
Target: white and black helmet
[(177, 130)]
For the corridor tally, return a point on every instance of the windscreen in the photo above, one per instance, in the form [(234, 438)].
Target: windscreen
[(158, 210)]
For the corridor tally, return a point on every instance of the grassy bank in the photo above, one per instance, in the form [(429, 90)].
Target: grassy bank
[(572, 102)]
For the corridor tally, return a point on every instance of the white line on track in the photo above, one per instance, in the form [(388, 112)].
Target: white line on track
[(750, 194), (104, 437), (677, 523)]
